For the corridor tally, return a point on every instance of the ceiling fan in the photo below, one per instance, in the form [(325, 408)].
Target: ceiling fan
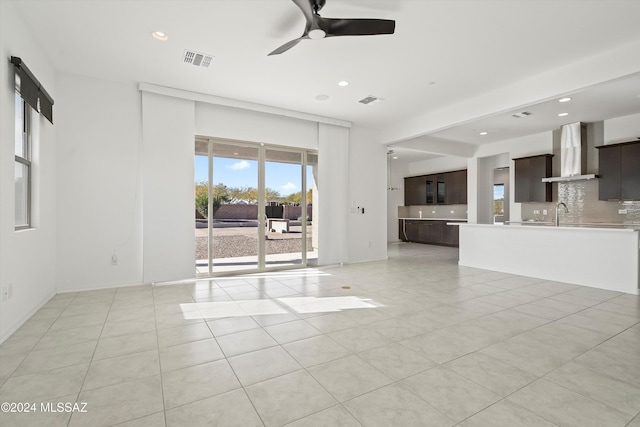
[(318, 27)]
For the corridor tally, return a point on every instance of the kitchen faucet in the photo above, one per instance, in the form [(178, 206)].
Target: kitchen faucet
[(566, 210)]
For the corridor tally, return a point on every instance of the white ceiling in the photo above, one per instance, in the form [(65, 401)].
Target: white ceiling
[(443, 53)]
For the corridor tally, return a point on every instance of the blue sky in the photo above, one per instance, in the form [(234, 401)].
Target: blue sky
[(282, 177), (498, 192)]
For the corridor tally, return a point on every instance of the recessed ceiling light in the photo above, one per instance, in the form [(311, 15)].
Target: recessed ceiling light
[(235, 154), (322, 97), (394, 157), (159, 35), (563, 114), (483, 133), (343, 83), (566, 99)]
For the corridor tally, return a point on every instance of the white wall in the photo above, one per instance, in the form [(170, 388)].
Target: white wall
[(27, 258), (484, 191), (499, 154), (367, 188), (99, 157), (437, 165), (531, 145), (168, 223), (333, 194), (245, 125)]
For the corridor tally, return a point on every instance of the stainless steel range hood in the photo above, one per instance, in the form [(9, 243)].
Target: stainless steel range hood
[(573, 154)]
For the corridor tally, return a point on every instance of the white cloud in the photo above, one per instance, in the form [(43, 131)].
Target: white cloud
[(242, 164), (289, 186)]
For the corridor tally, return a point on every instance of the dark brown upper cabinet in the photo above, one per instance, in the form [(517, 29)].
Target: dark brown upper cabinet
[(447, 188), (456, 188), (529, 172), (415, 189), (441, 185), (619, 171), (431, 190)]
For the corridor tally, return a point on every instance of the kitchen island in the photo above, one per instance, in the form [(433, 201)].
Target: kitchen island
[(606, 258)]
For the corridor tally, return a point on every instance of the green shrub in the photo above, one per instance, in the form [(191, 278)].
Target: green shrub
[(202, 203)]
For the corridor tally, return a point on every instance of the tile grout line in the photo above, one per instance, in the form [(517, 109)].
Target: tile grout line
[(91, 360), (234, 373)]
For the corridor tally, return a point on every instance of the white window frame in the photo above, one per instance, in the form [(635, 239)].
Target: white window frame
[(24, 160)]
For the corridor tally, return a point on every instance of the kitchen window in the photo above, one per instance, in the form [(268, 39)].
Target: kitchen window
[(22, 164)]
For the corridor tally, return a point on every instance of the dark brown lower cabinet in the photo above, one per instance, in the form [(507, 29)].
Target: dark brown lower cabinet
[(426, 231), (451, 235)]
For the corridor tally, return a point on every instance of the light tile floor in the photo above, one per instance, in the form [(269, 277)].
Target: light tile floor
[(412, 341)]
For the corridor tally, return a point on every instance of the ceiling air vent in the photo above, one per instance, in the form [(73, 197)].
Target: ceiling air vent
[(521, 115), (196, 58), (370, 100)]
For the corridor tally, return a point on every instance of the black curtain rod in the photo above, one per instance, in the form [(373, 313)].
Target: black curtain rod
[(19, 63)]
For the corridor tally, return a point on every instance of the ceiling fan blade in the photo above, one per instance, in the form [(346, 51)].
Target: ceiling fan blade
[(285, 47), (319, 27), (306, 6), (356, 27)]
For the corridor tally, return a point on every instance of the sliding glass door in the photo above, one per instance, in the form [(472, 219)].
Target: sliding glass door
[(286, 221), (259, 207)]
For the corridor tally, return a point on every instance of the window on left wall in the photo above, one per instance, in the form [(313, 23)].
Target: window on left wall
[(22, 164)]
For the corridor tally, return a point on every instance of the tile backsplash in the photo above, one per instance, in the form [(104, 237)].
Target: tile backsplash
[(430, 211), (581, 197)]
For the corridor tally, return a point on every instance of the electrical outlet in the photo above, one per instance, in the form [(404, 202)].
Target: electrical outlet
[(453, 211), (433, 211), (114, 259), (536, 211), (544, 212), (622, 211)]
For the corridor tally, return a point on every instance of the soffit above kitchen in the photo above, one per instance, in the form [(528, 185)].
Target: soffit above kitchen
[(617, 98), (443, 53)]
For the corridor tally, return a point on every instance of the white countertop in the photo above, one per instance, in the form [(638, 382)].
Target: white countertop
[(551, 227), (575, 224)]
